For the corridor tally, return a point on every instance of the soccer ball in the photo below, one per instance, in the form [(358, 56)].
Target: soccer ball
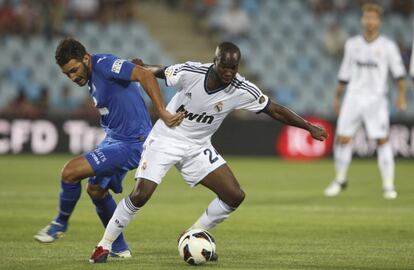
[(196, 246)]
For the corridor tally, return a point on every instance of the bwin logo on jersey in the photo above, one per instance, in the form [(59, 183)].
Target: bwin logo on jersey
[(199, 118)]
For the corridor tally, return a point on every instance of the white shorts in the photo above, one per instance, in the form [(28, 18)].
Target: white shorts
[(193, 161), (373, 113)]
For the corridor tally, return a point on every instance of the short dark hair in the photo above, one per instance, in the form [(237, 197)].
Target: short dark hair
[(68, 49), (227, 47)]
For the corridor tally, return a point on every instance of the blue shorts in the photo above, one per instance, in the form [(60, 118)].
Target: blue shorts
[(111, 160)]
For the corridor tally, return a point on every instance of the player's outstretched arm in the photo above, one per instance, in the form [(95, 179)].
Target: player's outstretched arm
[(151, 87), (157, 70), (285, 115)]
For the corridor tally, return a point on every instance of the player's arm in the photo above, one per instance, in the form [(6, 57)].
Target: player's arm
[(339, 92), (157, 70), (287, 116), (401, 102), (344, 75), (151, 87)]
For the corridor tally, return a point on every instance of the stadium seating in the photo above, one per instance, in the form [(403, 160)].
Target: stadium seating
[(36, 55), (284, 50)]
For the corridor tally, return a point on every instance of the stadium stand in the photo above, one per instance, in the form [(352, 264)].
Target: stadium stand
[(283, 50)]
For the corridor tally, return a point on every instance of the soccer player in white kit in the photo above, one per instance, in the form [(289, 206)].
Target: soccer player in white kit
[(206, 94), (363, 72)]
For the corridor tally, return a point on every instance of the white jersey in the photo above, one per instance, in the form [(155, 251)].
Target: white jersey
[(204, 111), (365, 66)]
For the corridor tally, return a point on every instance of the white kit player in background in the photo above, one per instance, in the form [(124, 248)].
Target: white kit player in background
[(206, 94), (363, 72)]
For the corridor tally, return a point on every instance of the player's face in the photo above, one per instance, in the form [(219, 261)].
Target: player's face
[(77, 71), (226, 67), (371, 21)]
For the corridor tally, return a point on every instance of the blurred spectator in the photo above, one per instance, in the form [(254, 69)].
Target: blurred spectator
[(402, 7), (340, 6), (19, 74), (86, 110), (21, 107), (234, 23), (84, 10), (53, 12), (27, 14), (334, 40), (117, 10), (65, 103), (8, 19), (319, 7), (43, 101)]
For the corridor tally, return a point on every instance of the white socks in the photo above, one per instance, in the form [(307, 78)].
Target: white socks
[(216, 212), (124, 213), (386, 165), (342, 156)]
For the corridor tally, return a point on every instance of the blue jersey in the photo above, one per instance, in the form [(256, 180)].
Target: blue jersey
[(124, 115)]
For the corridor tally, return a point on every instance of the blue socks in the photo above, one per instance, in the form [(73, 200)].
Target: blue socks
[(68, 197), (105, 208)]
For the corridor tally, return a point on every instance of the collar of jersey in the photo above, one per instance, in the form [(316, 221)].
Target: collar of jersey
[(205, 83)]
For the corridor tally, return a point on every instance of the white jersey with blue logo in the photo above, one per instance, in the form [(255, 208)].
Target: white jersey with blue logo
[(204, 111)]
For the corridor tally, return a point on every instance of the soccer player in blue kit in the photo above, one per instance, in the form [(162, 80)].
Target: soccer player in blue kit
[(125, 119)]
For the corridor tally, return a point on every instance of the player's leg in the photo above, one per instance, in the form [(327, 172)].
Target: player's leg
[(75, 170), (386, 166), (349, 121), (153, 167), (229, 196), (376, 121), (125, 211), (116, 159), (105, 207)]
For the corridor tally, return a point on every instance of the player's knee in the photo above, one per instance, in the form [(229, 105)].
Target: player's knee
[(142, 193), (139, 198), (236, 198), (343, 140), (96, 192), (69, 173)]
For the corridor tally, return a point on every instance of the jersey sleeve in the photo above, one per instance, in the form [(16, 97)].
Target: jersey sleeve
[(252, 98), (395, 61), (174, 76), (114, 68), (344, 73)]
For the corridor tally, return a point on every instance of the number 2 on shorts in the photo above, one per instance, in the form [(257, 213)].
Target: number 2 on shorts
[(210, 155)]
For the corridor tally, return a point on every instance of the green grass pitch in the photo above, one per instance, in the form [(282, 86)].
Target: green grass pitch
[(284, 223)]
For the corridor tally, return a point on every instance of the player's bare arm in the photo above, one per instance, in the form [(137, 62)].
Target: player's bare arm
[(151, 87), (286, 116), (339, 92), (157, 70), (401, 102)]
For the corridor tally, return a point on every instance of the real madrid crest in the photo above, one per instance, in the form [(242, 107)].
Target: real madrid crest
[(219, 106)]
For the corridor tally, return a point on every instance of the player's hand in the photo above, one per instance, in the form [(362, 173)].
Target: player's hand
[(336, 105), (317, 132), (138, 62), (401, 102), (172, 120)]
